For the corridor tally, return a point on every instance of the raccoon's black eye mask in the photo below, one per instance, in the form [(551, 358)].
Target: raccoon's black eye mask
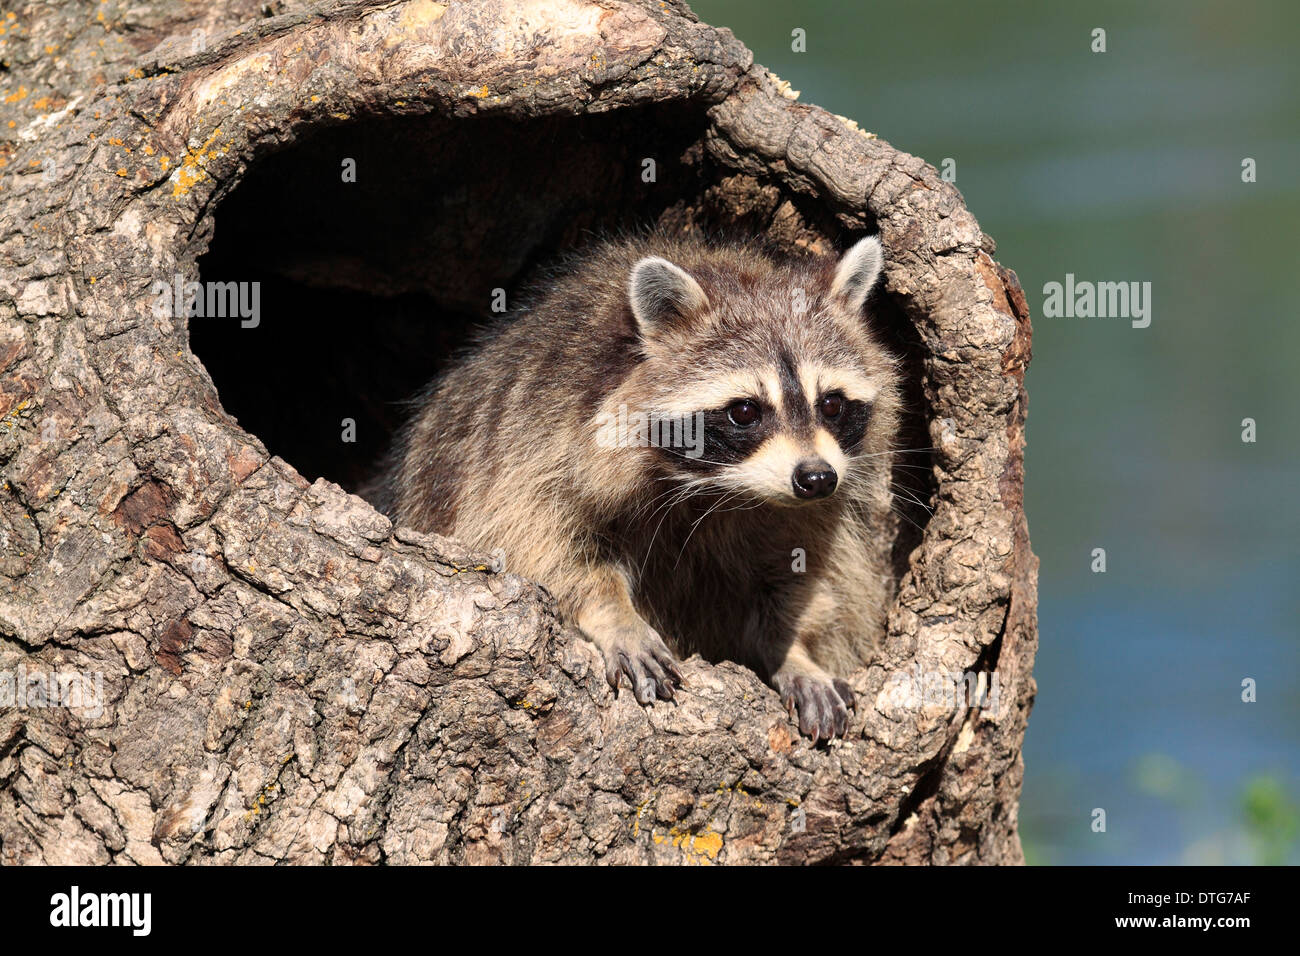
[(731, 434), (735, 431), (849, 426)]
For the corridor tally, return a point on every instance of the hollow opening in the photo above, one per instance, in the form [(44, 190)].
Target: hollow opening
[(368, 283)]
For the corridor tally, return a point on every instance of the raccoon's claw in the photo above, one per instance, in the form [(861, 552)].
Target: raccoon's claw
[(846, 694), (823, 706), (649, 667)]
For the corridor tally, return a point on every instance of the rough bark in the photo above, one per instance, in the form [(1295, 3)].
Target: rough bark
[(289, 678)]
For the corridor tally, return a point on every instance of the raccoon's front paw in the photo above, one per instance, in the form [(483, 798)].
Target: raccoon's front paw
[(647, 663), (823, 704)]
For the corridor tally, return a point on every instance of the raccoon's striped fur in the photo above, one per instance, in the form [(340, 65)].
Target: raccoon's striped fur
[(729, 553)]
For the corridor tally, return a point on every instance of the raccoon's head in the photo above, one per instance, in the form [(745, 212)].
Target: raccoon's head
[(781, 391)]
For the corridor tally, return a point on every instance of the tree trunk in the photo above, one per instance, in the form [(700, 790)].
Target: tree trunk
[(286, 677)]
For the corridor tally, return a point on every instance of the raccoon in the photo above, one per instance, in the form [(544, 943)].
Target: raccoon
[(689, 445)]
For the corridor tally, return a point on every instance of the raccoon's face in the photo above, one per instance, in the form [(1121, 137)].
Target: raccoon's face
[(787, 437), (781, 392)]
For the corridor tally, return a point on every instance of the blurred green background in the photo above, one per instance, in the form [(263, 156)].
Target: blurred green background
[(1126, 166)]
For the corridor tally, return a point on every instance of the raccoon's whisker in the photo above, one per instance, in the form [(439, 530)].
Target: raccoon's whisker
[(908, 520), (892, 451), (924, 507), (712, 508), (682, 485), (687, 489), (650, 506), (907, 494), (858, 479), (866, 459), (902, 487), (899, 464), (666, 501), (732, 490), (855, 483), (704, 461), (727, 484)]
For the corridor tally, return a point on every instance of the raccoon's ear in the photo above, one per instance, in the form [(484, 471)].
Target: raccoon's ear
[(661, 292), (857, 272)]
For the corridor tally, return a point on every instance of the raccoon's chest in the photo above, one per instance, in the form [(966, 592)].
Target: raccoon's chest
[(705, 588)]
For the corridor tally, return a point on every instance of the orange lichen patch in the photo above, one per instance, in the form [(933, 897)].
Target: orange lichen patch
[(193, 168), (148, 150), (481, 92), (121, 171), (11, 417), (739, 792), (700, 848), (15, 97)]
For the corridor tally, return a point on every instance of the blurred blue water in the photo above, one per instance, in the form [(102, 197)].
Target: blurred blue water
[(1124, 166)]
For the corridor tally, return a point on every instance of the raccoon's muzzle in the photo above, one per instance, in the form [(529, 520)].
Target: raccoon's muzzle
[(814, 478)]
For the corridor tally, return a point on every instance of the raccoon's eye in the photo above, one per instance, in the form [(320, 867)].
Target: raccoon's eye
[(831, 405), (743, 413)]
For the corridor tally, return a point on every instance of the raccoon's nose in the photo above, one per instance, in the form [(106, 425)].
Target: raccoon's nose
[(814, 479)]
